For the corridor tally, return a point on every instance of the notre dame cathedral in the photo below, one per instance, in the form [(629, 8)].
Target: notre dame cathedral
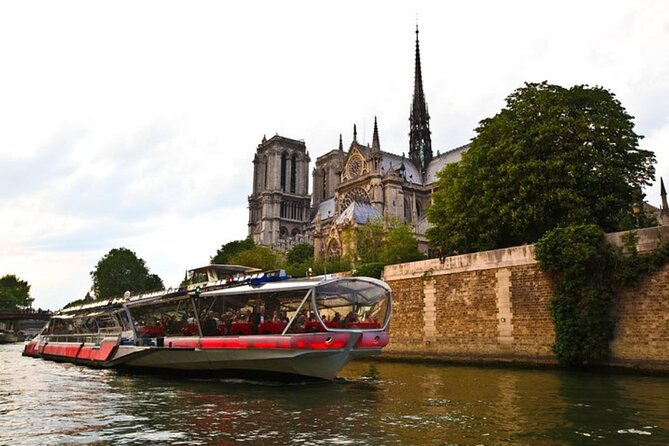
[(349, 187)]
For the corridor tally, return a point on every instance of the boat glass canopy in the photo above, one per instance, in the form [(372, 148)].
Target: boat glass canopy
[(353, 303)]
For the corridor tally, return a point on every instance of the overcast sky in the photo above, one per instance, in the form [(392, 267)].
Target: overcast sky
[(134, 124)]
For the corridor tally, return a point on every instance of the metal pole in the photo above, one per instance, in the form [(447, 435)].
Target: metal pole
[(297, 312)]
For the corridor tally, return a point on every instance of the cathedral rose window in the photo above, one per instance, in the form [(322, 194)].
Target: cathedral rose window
[(355, 167), (358, 194)]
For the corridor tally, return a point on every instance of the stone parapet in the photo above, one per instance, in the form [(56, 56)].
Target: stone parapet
[(494, 306)]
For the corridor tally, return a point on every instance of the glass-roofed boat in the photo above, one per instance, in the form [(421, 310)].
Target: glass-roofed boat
[(230, 320)]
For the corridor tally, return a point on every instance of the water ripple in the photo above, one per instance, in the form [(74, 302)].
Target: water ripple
[(48, 403)]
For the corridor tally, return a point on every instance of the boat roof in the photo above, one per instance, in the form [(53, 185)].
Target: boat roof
[(226, 269), (303, 284), (270, 282)]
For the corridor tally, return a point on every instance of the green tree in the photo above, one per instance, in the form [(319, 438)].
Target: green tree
[(227, 250), (121, 270), (400, 245), (257, 257), (369, 241), (552, 157), (14, 293), (300, 253)]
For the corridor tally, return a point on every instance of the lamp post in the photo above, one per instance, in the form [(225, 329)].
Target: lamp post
[(636, 209)]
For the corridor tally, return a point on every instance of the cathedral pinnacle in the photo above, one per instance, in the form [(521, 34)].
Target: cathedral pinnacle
[(376, 145), (420, 144), (355, 133), (663, 195), (341, 145)]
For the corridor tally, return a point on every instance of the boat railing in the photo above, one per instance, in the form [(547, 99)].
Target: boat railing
[(92, 338)]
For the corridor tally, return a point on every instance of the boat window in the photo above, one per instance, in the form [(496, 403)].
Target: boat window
[(171, 318), (353, 303), (84, 325)]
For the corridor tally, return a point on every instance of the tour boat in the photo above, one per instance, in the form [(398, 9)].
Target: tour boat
[(237, 321)]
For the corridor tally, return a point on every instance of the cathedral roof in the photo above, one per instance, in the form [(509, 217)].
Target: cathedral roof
[(359, 213), (326, 209), (395, 162), (439, 162)]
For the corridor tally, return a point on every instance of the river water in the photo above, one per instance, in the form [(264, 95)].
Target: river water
[(372, 403)]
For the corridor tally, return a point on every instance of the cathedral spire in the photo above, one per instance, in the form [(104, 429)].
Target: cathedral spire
[(663, 195), (376, 145), (341, 145), (355, 133), (420, 144)]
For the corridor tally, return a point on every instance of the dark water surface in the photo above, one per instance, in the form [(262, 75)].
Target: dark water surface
[(374, 403)]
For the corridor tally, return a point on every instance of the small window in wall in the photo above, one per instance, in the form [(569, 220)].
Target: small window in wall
[(419, 211), (283, 232)]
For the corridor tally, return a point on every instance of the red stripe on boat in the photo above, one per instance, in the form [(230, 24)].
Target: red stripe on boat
[(320, 341)]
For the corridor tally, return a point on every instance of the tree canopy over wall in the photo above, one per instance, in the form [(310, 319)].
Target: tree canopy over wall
[(552, 157)]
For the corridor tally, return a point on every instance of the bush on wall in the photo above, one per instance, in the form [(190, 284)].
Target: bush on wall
[(581, 262)]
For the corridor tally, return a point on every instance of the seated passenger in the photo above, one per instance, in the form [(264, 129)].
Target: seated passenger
[(351, 318), (300, 322), (210, 326)]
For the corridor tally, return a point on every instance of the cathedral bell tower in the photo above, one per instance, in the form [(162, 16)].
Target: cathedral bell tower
[(280, 202), (420, 144)]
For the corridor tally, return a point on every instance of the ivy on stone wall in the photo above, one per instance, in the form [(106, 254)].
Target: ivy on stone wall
[(586, 270), (581, 261), (630, 268)]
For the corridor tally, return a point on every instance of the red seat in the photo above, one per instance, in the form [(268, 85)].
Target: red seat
[(189, 330), (240, 328)]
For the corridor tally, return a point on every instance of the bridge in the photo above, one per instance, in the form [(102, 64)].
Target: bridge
[(24, 322), (25, 315)]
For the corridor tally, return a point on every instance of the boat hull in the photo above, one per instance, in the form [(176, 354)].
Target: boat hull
[(319, 356)]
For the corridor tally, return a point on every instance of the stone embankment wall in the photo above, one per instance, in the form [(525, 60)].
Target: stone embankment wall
[(494, 306)]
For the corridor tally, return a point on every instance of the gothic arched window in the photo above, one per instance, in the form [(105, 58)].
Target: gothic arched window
[(325, 184), (293, 173), (407, 210), (283, 172)]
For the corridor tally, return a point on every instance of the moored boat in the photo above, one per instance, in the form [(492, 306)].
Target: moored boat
[(237, 321), (8, 337)]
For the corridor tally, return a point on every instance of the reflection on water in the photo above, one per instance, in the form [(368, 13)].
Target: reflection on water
[(373, 403)]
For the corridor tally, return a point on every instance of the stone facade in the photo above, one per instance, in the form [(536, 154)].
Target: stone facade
[(280, 203), (494, 306), (350, 187)]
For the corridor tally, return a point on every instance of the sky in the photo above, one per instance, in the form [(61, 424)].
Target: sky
[(134, 123)]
